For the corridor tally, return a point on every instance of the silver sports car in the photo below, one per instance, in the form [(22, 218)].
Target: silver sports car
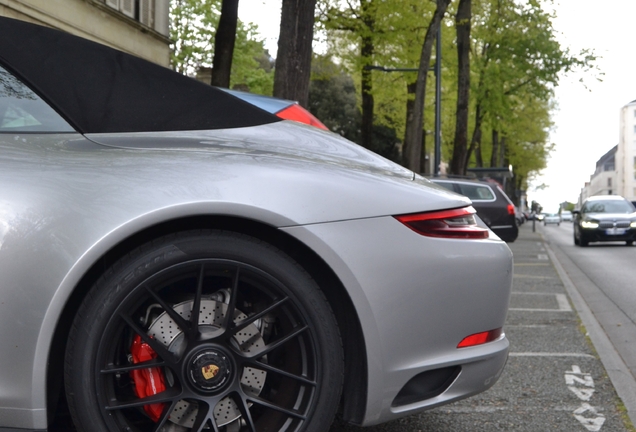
[(173, 258)]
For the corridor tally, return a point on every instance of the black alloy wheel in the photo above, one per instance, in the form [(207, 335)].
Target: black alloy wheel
[(204, 331)]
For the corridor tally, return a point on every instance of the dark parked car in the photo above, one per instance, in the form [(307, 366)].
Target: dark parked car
[(605, 218), (491, 202)]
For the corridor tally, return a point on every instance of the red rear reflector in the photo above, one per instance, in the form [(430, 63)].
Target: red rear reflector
[(480, 338), (511, 209), (456, 223), (297, 113)]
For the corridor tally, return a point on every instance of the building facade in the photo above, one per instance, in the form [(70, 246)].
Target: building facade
[(626, 154), (138, 27), (604, 180)]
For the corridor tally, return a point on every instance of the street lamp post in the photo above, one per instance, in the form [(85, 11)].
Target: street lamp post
[(438, 102), (437, 68)]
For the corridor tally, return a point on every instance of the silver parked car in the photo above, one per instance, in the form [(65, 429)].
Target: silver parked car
[(175, 259), (566, 216), (551, 218)]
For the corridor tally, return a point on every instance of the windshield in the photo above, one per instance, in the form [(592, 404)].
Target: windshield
[(608, 207)]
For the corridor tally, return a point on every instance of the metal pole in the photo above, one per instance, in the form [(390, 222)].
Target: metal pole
[(438, 102)]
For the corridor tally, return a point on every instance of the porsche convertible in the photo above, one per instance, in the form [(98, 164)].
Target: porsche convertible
[(174, 258)]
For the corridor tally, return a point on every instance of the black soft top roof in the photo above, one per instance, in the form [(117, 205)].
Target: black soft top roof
[(99, 89)]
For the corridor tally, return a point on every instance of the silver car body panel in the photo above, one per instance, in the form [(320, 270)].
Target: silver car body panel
[(66, 200), (412, 317)]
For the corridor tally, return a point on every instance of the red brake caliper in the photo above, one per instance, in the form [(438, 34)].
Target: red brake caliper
[(150, 381)]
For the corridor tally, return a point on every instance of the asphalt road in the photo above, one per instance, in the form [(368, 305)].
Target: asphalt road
[(554, 379), (604, 275)]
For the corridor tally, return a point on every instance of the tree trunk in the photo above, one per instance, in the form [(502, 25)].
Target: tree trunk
[(367, 49), (475, 141), (410, 101), (293, 61), (368, 103), (224, 44), (459, 160), (413, 147), (494, 156)]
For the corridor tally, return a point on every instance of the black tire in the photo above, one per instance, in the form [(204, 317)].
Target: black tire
[(583, 242), (576, 240), (629, 242), (277, 365)]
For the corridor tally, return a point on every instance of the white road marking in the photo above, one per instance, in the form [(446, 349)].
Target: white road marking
[(549, 354), (537, 310), (530, 325), (520, 276), (582, 393), (576, 371), (564, 304), (562, 301), (542, 257), (573, 378), (593, 424)]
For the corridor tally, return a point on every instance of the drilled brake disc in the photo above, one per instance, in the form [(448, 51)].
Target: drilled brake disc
[(211, 315)]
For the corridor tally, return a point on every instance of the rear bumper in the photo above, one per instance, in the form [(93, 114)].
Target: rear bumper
[(600, 235), (416, 298)]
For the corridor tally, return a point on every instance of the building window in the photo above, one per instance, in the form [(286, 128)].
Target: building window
[(151, 13)]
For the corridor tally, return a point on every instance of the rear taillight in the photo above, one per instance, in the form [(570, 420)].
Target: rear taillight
[(511, 209), (297, 113), (456, 223), (480, 338)]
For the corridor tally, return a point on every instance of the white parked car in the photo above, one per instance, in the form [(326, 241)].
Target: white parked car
[(566, 216), (551, 218)]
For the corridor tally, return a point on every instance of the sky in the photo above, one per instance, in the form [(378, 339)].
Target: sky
[(587, 114)]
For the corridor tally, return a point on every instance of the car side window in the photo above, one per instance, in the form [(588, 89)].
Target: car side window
[(476, 192), (21, 110), (445, 185)]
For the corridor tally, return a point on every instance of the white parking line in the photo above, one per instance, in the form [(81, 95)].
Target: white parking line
[(562, 301), (549, 354), (518, 276)]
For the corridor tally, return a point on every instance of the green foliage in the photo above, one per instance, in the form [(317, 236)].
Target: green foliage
[(252, 65), (397, 28), (193, 26), (332, 98), (567, 206), (516, 62)]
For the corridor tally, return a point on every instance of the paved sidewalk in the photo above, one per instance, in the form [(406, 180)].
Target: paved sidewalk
[(554, 379)]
